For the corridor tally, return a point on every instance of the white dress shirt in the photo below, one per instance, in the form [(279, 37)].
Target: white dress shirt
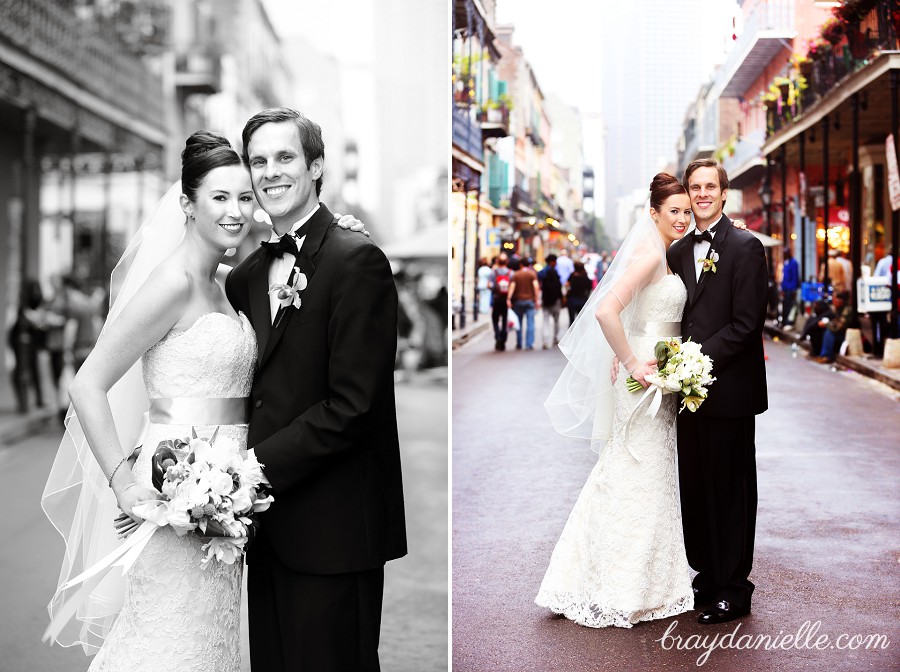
[(280, 269), (701, 247)]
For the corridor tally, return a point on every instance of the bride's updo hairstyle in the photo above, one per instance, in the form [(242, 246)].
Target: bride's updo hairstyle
[(204, 151), (663, 186)]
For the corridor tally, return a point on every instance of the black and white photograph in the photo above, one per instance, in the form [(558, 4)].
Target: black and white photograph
[(675, 355), (224, 399)]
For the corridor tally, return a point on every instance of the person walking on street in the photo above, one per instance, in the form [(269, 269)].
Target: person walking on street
[(484, 290), (524, 298), (564, 267), (836, 273), (25, 340), (578, 289), (552, 294), (498, 283), (790, 282)]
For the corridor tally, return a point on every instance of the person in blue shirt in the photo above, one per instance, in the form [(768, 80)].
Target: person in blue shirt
[(790, 282)]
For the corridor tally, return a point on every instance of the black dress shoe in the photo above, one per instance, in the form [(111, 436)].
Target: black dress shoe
[(723, 612), (703, 597)]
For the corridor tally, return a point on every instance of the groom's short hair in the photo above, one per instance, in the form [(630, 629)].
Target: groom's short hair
[(705, 163), (310, 134)]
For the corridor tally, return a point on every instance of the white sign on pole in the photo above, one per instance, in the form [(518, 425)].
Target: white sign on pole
[(893, 175)]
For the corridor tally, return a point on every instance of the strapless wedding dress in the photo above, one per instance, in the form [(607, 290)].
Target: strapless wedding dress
[(621, 558), (178, 616)]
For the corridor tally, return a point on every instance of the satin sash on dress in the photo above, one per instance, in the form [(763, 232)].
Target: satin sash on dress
[(191, 411), (663, 330)]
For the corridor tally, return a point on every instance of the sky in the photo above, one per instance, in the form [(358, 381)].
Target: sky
[(325, 26), (553, 37)]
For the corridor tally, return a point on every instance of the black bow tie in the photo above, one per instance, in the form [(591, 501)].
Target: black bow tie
[(287, 243), (705, 235)]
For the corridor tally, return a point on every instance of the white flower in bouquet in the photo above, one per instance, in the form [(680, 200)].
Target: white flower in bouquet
[(226, 550), (261, 504), (242, 500), (681, 368), (209, 488)]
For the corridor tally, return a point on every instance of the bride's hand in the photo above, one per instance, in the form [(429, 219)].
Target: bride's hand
[(738, 224), (352, 223), (133, 494), (643, 370)]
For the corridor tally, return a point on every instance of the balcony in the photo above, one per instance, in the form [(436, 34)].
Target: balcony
[(535, 136), (521, 201), (844, 46), (743, 161), (694, 147), (198, 71), (845, 49), (466, 135), (494, 121), (89, 54), (766, 29)]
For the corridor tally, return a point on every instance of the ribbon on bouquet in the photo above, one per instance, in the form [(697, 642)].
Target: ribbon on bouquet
[(657, 390), (124, 556)]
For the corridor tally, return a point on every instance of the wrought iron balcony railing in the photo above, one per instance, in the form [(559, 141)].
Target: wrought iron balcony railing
[(90, 55), (845, 47), (466, 134)]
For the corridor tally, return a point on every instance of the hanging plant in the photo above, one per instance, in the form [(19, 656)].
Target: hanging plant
[(833, 30)]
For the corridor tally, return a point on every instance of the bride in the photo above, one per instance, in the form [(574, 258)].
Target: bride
[(172, 344), (620, 559)]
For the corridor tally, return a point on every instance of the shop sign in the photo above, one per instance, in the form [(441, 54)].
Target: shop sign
[(874, 294)]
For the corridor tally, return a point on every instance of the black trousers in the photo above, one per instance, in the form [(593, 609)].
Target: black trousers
[(498, 318), (312, 623), (717, 478)]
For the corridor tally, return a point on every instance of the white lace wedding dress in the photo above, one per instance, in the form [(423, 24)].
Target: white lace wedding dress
[(620, 558), (178, 615)]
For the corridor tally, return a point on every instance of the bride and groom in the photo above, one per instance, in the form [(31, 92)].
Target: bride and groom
[(302, 374), (638, 525)]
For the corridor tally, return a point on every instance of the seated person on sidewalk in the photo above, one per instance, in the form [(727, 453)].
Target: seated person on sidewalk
[(835, 328), (814, 328)]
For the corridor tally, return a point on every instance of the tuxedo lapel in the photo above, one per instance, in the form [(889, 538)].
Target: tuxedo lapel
[(688, 263), (718, 245), (318, 227), (260, 312)]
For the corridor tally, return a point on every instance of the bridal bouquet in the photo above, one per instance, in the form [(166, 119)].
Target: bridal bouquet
[(681, 368), (210, 489)]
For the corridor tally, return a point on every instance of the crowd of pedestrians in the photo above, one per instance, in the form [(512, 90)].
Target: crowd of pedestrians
[(63, 324), (512, 291)]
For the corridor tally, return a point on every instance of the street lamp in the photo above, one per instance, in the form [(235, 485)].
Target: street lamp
[(765, 195)]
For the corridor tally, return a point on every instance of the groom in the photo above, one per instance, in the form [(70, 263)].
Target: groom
[(724, 270), (323, 418)]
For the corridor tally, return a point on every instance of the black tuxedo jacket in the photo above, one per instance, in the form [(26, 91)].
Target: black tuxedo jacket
[(323, 419), (725, 313)]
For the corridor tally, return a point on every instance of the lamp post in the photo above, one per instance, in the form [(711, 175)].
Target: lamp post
[(765, 195)]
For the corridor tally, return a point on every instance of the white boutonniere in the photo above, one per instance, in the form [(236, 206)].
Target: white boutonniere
[(709, 263), (289, 295)]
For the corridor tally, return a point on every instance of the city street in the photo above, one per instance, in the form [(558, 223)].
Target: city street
[(827, 528), (414, 626)]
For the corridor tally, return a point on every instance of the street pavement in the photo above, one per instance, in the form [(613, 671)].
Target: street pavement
[(414, 624), (827, 531)]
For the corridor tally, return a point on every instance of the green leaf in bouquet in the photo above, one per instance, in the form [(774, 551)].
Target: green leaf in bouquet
[(164, 457), (661, 352)]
